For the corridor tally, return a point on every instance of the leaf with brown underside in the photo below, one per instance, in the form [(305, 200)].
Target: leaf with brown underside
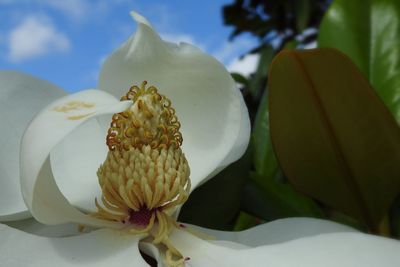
[(334, 138)]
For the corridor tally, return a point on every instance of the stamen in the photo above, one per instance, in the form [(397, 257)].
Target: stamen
[(173, 256), (140, 125), (145, 175)]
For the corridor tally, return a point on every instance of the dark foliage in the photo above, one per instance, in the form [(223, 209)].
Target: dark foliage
[(278, 20)]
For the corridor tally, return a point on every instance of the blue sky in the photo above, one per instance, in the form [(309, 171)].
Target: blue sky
[(66, 41)]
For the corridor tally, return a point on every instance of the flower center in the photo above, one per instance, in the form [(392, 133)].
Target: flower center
[(145, 175), (141, 217)]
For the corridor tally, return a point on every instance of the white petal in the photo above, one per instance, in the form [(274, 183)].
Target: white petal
[(241, 143), (243, 137), (75, 161), (328, 250), (215, 125), (100, 248), (228, 244), (21, 97), (50, 127), (34, 227), (278, 231)]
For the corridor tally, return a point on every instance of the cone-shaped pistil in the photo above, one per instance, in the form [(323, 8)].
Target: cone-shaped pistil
[(145, 175)]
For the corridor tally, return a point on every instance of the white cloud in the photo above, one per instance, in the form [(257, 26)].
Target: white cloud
[(35, 36), (75, 8), (230, 50), (86, 10), (244, 66)]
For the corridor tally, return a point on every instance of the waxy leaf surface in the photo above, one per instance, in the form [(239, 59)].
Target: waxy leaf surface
[(334, 138), (368, 31)]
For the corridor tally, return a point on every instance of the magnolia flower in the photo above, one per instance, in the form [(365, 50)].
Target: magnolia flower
[(122, 169)]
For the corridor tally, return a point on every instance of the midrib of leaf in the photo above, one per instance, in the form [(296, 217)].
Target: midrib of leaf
[(350, 179)]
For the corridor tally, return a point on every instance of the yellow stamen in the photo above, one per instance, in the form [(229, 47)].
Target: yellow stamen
[(145, 175)]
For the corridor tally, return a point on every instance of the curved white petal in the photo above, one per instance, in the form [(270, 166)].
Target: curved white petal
[(75, 160), (21, 97), (39, 189), (34, 227), (243, 137), (278, 231), (99, 248), (329, 250), (241, 143), (215, 124)]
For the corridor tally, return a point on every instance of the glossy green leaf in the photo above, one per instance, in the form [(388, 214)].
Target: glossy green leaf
[(271, 200), (265, 161), (368, 31), (269, 197), (334, 138), (258, 81)]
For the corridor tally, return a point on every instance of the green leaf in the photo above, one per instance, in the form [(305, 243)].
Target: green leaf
[(239, 78), (258, 81), (303, 13), (271, 200), (368, 31), (291, 44), (334, 138), (217, 203), (245, 221), (268, 197), (265, 161)]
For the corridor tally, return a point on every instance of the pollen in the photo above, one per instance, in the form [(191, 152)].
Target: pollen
[(145, 176)]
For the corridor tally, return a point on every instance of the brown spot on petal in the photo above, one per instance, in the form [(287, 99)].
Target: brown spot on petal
[(79, 117), (73, 105)]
